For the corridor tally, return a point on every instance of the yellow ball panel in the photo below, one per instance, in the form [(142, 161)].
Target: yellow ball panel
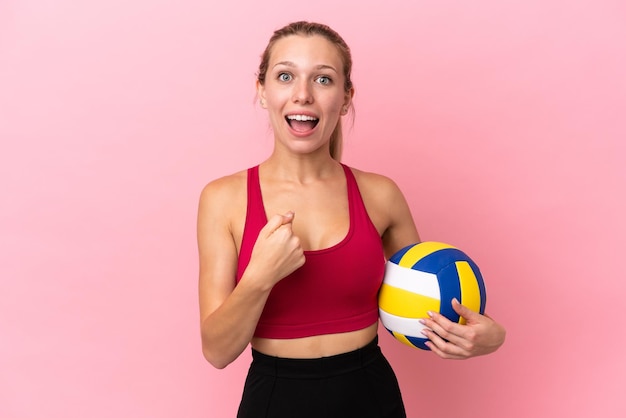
[(406, 304), (417, 252), (470, 293)]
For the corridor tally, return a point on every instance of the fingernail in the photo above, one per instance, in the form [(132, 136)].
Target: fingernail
[(430, 313)]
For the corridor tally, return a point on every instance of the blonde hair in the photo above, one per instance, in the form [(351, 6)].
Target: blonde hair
[(309, 29)]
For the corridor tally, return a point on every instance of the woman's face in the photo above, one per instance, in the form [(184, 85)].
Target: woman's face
[(304, 92)]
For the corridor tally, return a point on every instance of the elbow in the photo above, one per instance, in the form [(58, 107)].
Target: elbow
[(217, 350), (215, 360)]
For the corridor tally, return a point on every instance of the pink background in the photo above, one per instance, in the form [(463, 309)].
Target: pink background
[(503, 123)]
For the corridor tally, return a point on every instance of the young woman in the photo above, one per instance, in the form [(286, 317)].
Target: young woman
[(292, 252)]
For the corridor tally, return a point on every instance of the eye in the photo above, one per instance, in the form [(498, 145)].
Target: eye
[(284, 77), (325, 80)]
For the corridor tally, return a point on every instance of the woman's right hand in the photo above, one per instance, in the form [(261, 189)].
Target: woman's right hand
[(277, 251)]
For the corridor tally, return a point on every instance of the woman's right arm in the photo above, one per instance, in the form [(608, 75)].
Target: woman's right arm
[(229, 313)]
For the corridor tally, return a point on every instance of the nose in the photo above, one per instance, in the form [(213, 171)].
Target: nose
[(302, 93)]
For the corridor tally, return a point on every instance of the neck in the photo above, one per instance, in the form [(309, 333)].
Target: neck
[(300, 168)]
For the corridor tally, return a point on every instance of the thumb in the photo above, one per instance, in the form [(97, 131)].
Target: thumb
[(277, 221), (288, 217), (464, 311)]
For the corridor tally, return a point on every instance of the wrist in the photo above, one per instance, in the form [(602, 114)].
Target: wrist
[(256, 281)]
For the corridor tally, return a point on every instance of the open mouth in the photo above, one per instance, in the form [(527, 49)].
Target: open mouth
[(301, 123)]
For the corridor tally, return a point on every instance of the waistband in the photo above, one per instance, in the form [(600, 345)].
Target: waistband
[(316, 367)]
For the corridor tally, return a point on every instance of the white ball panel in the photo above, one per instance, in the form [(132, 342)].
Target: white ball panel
[(414, 281), (406, 326)]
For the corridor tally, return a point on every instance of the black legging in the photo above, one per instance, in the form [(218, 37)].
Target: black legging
[(359, 384)]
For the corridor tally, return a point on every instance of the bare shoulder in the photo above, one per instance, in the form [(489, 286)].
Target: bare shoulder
[(223, 200), (227, 186), (224, 190), (376, 187)]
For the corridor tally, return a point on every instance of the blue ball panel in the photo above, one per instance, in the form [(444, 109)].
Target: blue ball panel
[(418, 342), (436, 261), (450, 288)]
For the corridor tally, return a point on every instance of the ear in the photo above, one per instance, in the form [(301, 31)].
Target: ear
[(260, 92), (347, 101)]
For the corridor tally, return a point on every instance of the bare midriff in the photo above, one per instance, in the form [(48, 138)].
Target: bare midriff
[(316, 346)]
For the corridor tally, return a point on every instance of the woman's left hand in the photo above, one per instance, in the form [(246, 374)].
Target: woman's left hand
[(479, 336)]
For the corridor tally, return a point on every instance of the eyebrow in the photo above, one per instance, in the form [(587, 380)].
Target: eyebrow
[(317, 67)]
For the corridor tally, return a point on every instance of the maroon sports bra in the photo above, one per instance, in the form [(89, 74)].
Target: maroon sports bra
[(337, 287)]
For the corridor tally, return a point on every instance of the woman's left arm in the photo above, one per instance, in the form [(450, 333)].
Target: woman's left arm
[(389, 210)]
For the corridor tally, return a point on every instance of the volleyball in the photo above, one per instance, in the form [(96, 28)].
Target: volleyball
[(426, 277)]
